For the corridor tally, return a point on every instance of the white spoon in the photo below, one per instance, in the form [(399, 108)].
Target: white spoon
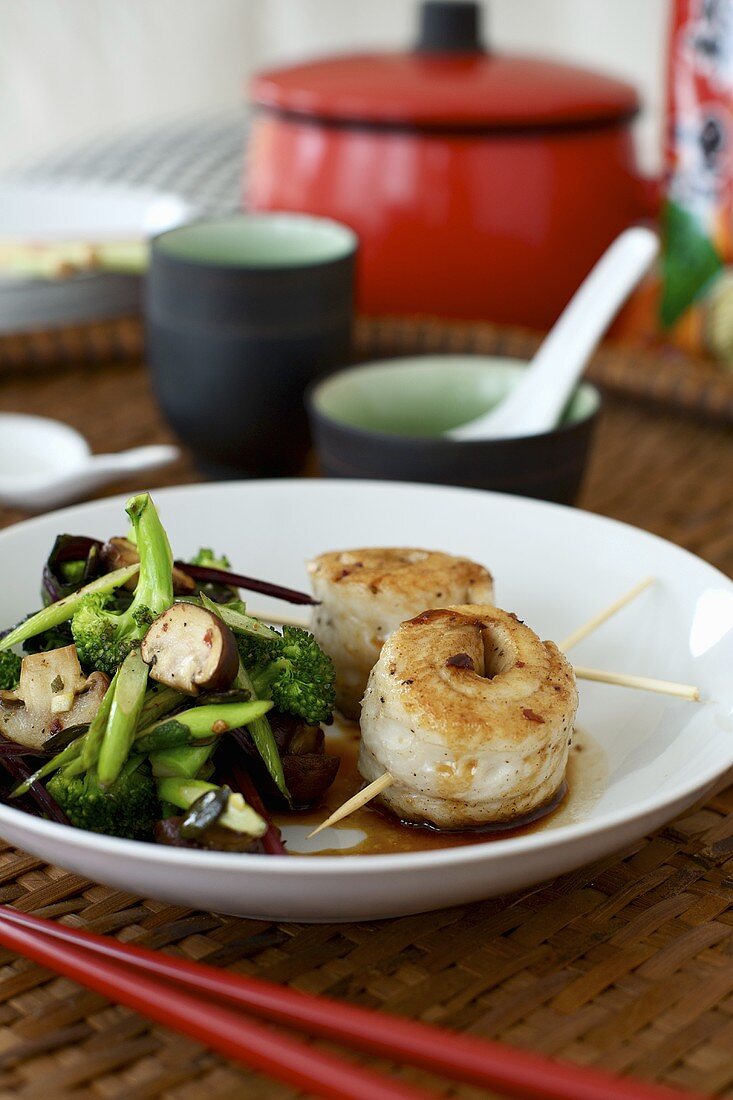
[(537, 402), (44, 463)]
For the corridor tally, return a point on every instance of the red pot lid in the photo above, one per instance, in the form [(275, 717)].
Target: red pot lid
[(451, 90)]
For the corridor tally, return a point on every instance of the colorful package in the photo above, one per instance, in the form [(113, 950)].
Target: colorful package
[(690, 300)]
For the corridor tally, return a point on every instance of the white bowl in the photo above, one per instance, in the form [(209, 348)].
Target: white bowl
[(555, 566)]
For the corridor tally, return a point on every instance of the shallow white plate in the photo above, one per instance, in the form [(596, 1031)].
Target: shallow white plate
[(78, 211), (553, 565)]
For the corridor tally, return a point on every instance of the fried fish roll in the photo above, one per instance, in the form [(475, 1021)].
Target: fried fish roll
[(473, 716), (365, 594)]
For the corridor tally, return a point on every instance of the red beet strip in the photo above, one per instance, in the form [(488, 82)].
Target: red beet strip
[(205, 575), (238, 779), (47, 806)]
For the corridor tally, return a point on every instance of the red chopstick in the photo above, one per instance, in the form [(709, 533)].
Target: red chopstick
[(516, 1073), (232, 1034)]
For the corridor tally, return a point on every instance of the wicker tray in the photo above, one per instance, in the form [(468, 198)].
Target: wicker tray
[(668, 377)]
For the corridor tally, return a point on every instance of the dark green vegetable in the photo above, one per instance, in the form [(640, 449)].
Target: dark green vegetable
[(218, 592), (169, 735), (128, 808), (58, 637), (9, 670), (67, 758), (161, 700), (206, 556), (128, 697), (293, 671), (204, 813), (237, 815), (182, 745), (240, 623), (48, 618)]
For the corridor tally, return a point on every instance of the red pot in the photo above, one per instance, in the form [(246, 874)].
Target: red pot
[(481, 186)]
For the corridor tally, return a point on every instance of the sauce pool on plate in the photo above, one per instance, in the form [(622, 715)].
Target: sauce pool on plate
[(372, 831)]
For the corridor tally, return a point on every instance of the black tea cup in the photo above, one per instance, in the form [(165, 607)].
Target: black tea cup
[(242, 313)]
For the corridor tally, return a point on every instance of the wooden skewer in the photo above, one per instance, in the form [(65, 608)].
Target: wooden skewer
[(598, 675), (356, 802), (601, 617), (619, 679), (640, 683), (276, 618)]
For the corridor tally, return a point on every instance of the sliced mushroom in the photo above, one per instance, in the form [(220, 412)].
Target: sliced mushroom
[(119, 552), (217, 838), (53, 693), (294, 735), (190, 649), (309, 775)]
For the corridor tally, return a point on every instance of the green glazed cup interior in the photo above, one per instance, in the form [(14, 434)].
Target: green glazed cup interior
[(259, 241), (423, 397)]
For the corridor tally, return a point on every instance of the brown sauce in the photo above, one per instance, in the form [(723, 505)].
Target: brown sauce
[(585, 780)]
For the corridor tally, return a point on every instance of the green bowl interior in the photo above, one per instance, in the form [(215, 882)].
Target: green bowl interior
[(259, 240), (425, 396)]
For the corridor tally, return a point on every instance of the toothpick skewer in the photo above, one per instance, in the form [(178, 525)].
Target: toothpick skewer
[(276, 618), (620, 679), (279, 619), (602, 616), (600, 676), (641, 683), (356, 802)]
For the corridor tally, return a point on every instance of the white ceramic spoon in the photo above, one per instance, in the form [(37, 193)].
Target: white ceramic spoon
[(44, 463), (537, 402)]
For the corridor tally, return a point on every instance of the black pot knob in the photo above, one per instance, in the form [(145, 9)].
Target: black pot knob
[(450, 26)]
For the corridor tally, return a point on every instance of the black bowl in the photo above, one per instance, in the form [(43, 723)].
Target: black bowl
[(384, 420)]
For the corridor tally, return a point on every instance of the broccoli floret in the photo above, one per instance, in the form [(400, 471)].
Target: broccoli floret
[(293, 671), (208, 558), (9, 669), (104, 636), (256, 652), (216, 590), (129, 808)]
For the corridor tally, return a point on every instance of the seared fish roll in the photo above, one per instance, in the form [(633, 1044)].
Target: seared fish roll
[(472, 714), (366, 594)]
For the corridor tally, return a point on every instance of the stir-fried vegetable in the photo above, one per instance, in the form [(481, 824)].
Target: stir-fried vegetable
[(293, 671), (126, 695), (104, 637), (63, 610), (234, 813), (127, 808), (9, 670)]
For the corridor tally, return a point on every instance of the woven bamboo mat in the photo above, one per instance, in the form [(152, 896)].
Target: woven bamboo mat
[(627, 964), (667, 377)]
